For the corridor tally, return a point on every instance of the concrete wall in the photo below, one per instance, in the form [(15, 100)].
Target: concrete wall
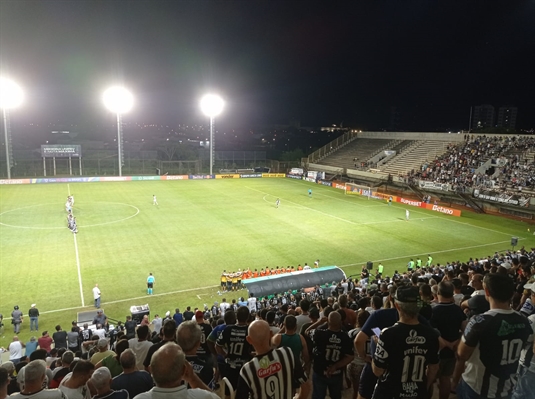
[(449, 137)]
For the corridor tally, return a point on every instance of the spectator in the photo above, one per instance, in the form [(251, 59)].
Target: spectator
[(112, 363), (170, 370), (45, 342), (178, 317), (140, 345), (406, 358), (33, 314), (450, 321), (31, 346), (303, 317), (60, 372), (477, 304), (103, 351), (131, 379), (130, 327), (284, 370), (488, 372), (74, 384), (4, 382), (169, 329), (60, 338), (333, 352), (72, 339), (12, 386), (34, 379), (101, 380), (291, 339), (525, 386), (188, 337), (15, 350)]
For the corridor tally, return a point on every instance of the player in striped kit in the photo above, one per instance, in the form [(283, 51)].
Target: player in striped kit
[(272, 373)]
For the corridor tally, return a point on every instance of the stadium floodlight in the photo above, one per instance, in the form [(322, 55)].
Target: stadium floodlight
[(118, 100), (212, 105), (10, 97)]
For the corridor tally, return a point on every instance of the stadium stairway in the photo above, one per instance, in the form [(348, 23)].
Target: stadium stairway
[(362, 149), (414, 156)]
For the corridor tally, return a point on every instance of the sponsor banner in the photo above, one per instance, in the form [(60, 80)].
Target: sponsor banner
[(410, 202), (250, 175), (443, 209), (273, 175), (229, 176), (200, 177), (339, 185), (293, 177), (64, 180), (60, 150), (297, 171), (175, 177), (309, 179), (502, 198), (325, 183), (432, 185), (15, 181), (146, 178), (116, 178)]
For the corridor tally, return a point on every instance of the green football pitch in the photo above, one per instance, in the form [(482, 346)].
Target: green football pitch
[(199, 229)]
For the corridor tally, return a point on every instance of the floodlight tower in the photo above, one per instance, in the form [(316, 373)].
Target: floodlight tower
[(10, 97), (211, 106), (118, 100)]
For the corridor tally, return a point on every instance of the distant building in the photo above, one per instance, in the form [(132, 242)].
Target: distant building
[(482, 116), (507, 117)]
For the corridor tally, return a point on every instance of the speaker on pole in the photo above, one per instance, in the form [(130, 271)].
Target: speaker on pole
[(369, 265)]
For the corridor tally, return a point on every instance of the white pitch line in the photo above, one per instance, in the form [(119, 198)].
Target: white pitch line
[(425, 253), (78, 267)]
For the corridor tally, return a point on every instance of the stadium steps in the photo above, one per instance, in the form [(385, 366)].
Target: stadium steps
[(414, 156), (360, 148)]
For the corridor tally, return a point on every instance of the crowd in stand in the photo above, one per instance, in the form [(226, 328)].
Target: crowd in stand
[(459, 164), (461, 326)]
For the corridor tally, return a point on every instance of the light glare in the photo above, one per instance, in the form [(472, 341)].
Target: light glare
[(117, 99), (212, 105), (10, 94)]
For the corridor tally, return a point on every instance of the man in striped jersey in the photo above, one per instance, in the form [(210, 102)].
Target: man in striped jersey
[(272, 373), (491, 344)]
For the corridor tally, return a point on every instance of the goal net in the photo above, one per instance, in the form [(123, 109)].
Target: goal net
[(357, 189)]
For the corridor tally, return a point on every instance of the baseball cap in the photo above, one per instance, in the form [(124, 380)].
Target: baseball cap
[(33, 305), (102, 343), (530, 286), (199, 314), (408, 294), (168, 313)]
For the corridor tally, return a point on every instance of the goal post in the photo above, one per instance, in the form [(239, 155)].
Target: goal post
[(358, 189)]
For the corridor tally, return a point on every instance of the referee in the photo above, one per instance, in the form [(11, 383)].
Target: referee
[(150, 284)]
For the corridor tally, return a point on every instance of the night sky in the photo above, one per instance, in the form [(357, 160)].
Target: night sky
[(321, 62)]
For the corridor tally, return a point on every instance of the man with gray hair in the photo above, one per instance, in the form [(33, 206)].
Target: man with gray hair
[(101, 380), (406, 358), (169, 371), (133, 380), (188, 336), (34, 379)]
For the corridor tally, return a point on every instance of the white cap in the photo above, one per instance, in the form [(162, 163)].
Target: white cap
[(530, 286), (33, 305), (168, 313)]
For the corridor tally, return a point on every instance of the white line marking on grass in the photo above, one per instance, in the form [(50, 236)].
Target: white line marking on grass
[(78, 267), (428, 252), (133, 299)]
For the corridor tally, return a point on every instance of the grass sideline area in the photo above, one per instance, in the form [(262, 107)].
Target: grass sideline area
[(200, 228)]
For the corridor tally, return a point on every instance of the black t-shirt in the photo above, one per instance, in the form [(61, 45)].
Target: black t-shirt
[(405, 351), (204, 350), (237, 347), (203, 369), (478, 304), (498, 337), (330, 347), (188, 315), (60, 339), (447, 318), (130, 328), (466, 290)]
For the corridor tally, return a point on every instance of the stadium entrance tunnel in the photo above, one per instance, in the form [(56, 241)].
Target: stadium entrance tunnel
[(279, 283)]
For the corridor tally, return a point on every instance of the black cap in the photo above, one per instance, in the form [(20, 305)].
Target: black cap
[(408, 294)]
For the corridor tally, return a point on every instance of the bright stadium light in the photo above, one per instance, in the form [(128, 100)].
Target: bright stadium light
[(118, 100), (212, 105), (10, 97)]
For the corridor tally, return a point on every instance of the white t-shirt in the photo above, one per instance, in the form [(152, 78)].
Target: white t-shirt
[(15, 350), (223, 307), (82, 392), (141, 349), (96, 293), (251, 304)]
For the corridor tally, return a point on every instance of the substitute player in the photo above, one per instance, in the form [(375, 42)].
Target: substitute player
[(154, 200), (277, 203), (407, 215), (309, 193), (150, 284)]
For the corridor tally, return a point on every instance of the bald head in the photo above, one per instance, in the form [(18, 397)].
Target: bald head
[(259, 335), (335, 321), (167, 366)]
